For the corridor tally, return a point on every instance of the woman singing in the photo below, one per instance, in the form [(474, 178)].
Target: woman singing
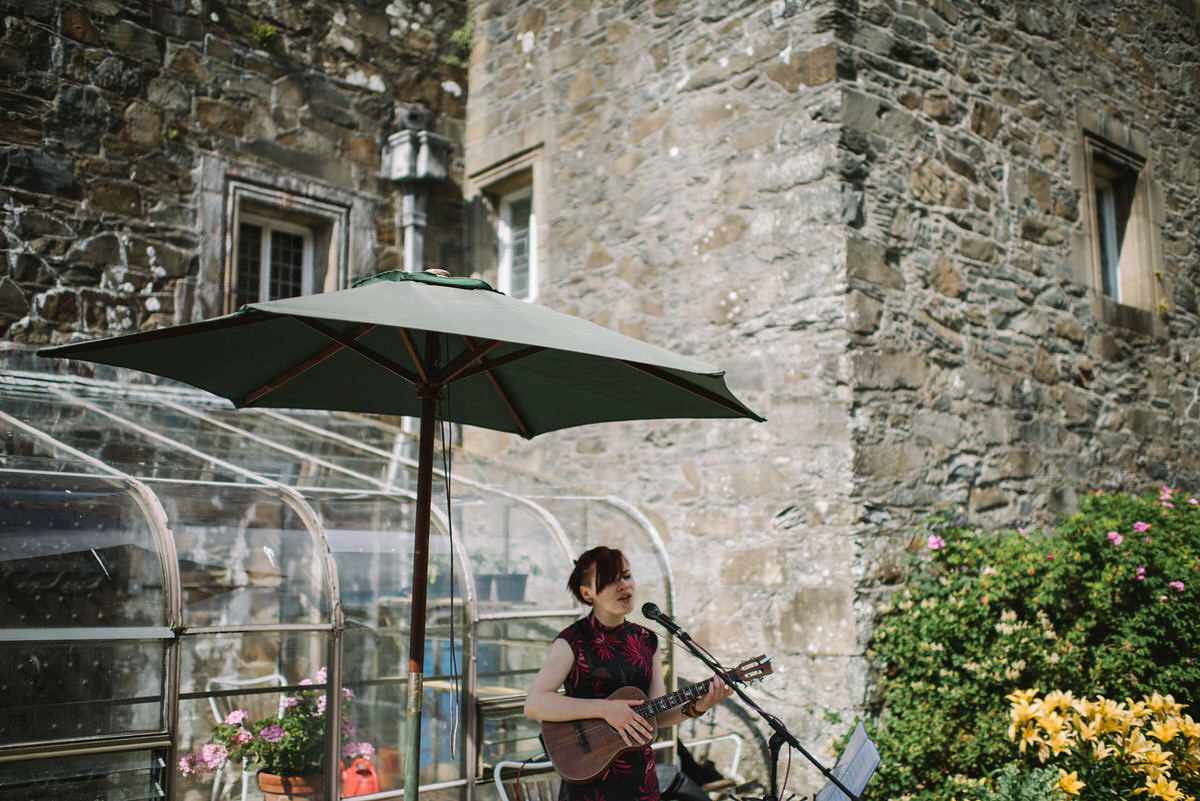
[(597, 655)]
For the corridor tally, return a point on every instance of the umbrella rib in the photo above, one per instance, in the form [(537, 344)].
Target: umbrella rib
[(708, 395), (474, 353), (302, 367), (362, 350), (486, 367)]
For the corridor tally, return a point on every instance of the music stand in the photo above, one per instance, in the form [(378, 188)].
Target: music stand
[(854, 769)]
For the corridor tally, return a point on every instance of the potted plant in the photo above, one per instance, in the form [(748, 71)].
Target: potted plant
[(288, 748)]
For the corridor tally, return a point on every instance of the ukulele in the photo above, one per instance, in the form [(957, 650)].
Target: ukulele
[(582, 749)]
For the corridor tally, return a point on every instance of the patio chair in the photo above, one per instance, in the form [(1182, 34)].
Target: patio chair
[(258, 705)]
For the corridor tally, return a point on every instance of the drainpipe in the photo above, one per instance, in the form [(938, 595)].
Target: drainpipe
[(415, 159)]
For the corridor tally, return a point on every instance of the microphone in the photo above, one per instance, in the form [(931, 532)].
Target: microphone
[(652, 612)]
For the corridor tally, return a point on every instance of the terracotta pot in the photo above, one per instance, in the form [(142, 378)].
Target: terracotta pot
[(291, 788)]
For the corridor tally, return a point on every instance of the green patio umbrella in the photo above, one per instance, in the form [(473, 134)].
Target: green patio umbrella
[(430, 346)]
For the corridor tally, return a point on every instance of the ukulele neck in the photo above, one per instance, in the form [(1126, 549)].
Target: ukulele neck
[(654, 708)]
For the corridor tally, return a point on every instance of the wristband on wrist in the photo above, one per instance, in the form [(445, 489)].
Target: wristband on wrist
[(690, 711)]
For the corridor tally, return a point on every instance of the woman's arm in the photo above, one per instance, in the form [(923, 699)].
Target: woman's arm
[(545, 703)]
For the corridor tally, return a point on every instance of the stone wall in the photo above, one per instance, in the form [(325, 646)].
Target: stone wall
[(871, 215), (109, 109), (990, 377), (687, 179)]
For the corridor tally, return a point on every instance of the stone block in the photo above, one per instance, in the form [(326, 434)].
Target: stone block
[(873, 263), (862, 313), (889, 370)]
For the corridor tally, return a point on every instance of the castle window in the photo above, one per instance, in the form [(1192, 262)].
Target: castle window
[(1118, 229), (274, 260), (516, 237), (1118, 250)]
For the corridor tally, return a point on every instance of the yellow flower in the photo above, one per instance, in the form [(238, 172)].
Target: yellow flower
[(1164, 705), (1069, 783), (1059, 699), (1058, 741), (1164, 788), (1164, 730)]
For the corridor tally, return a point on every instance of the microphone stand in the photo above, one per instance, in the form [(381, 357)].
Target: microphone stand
[(780, 734)]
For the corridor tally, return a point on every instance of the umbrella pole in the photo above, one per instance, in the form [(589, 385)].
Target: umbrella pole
[(420, 582)]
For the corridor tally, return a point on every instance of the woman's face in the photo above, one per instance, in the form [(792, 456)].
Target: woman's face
[(615, 601)]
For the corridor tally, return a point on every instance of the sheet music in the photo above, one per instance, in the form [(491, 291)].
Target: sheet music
[(854, 769)]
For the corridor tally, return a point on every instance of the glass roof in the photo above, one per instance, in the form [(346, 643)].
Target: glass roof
[(161, 433)]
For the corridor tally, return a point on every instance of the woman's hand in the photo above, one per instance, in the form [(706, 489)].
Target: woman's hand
[(621, 714), (718, 691)]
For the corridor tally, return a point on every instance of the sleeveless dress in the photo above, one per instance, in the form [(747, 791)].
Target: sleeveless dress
[(607, 659)]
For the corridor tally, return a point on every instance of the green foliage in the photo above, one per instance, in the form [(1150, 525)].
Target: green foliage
[(988, 613), (1013, 783), (460, 45), (265, 34)]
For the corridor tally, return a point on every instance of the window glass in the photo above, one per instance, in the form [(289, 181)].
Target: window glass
[(1115, 184), (127, 775), (287, 265), (245, 556), (75, 552), (518, 251), (254, 672), (59, 688), (273, 260), (248, 275)]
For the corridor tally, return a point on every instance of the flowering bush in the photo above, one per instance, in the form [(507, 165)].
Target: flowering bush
[(1110, 749), (289, 744), (1105, 605)]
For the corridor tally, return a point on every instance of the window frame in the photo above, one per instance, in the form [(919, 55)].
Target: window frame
[(1127, 288), (324, 225)]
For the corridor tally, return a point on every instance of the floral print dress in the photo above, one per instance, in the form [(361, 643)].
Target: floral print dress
[(607, 659)]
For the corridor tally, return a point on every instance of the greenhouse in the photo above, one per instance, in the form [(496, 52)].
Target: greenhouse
[(167, 559)]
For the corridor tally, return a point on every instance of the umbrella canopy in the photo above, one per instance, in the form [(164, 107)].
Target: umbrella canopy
[(429, 346), (496, 362)]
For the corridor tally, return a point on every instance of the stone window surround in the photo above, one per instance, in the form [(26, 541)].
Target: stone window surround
[(486, 187), (227, 185), (1143, 312)]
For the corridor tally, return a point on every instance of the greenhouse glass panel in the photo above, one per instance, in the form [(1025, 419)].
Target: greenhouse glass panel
[(76, 551), (68, 689), (128, 776), (259, 673), (246, 557)]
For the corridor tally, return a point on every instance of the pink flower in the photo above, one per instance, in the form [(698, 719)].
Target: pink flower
[(321, 676), (272, 733), (236, 716), (190, 765), (935, 543), (213, 755), (989, 571), (290, 702), (1140, 527), (1177, 585), (347, 694), (1115, 538), (241, 737), (1164, 492), (1141, 572), (354, 750), (348, 728), (1193, 501)]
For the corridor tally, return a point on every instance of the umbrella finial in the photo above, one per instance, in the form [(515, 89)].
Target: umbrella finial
[(438, 271)]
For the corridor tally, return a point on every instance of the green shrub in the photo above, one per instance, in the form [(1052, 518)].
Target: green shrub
[(987, 613)]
